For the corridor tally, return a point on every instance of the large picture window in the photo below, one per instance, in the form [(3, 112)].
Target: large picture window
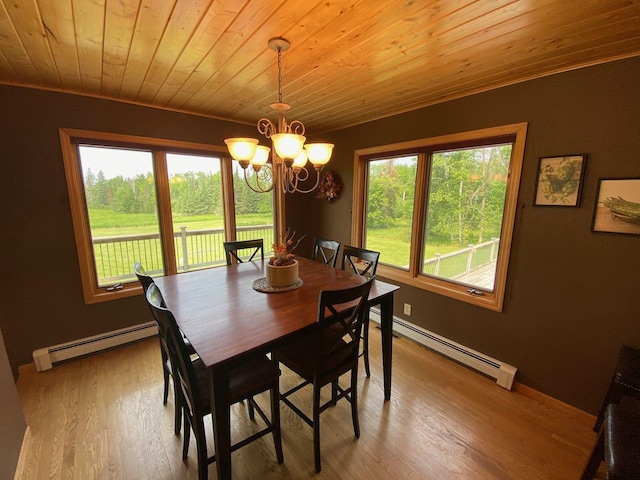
[(441, 211), (169, 205)]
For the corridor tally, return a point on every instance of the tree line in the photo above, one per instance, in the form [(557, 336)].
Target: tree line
[(192, 193), (466, 194)]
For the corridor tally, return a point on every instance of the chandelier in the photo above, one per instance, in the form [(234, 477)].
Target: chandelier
[(284, 164)]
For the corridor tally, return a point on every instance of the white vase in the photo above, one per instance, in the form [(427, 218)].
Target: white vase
[(281, 276)]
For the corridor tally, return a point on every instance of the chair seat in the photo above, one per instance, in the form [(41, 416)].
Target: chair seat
[(622, 441), (244, 381), (300, 357)]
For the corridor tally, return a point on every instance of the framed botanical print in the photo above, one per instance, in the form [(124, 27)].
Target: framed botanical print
[(559, 180), (617, 207)]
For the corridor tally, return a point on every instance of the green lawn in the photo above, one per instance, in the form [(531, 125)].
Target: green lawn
[(106, 223)]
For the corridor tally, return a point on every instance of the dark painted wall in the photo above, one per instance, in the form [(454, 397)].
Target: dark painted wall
[(40, 290), (572, 296)]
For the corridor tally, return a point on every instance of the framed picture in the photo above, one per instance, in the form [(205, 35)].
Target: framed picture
[(559, 180), (617, 206)]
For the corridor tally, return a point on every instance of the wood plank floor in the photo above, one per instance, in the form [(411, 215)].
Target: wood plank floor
[(101, 417)]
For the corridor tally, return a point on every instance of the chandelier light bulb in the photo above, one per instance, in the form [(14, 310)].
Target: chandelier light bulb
[(319, 153), (288, 145), (261, 157), (242, 149)]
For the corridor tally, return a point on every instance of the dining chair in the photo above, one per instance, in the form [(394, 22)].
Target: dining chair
[(326, 250), (618, 444), (322, 357), (625, 381), (146, 281), (362, 262), (254, 246), (245, 381)]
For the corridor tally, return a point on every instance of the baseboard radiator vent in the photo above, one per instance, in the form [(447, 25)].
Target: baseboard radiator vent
[(502, 372), (44, 358)]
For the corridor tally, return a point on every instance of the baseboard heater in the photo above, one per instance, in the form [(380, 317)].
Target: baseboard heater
[(44, 358), (502, 372)]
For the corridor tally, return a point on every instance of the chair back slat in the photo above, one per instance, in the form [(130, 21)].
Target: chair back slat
[(341, 312), (326, 250), (360, 261), (231, 250)]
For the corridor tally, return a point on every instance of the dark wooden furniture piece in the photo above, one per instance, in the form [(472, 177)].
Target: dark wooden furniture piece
[(326, 250), (254, 246), (146, 281), (255, 375), (618, 443), (362, 262), (624, 382), (226, 321), (329, 352)]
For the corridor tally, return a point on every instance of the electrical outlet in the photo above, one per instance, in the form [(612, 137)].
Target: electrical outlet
[(407, 309)]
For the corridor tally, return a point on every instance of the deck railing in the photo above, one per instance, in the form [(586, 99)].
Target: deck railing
[(456, 265), (195, 249)]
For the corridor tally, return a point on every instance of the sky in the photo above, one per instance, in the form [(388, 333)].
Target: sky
[(129, 163)]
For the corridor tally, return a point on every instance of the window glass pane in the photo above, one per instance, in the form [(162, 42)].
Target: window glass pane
[(121, 202), (389, 209), (466, 199), (195, 188), (254, 210)]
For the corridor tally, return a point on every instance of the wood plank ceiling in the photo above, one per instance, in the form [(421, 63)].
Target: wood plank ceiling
[(350, 61)]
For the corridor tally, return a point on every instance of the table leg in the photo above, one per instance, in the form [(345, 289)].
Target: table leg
[(386, 325), (219, 394)]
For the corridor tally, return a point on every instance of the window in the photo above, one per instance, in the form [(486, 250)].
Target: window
[(440, 211), (170, 205)]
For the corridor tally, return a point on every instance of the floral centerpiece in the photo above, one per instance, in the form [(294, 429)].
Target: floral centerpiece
[(282, 268)]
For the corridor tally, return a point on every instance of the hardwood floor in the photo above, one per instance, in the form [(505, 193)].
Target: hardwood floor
[(102, 417)]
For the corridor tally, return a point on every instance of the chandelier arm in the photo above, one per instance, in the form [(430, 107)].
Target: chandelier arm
[(266, 127), (296, 127), (258, 188)]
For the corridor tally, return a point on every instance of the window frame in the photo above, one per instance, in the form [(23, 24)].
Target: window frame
[(413, 276), (70, 139)]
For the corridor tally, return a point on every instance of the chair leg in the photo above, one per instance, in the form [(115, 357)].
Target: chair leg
[(596, 458), (252, 412), (275, 421), (165, 393), (365, 343), (201, 444), (334, 392), (316, 427), (177, 405), (354, 402), (186, 437)]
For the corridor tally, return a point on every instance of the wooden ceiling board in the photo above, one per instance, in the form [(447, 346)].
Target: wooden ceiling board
[(89, 29), (151, 22), (58, 22), (350, 61)]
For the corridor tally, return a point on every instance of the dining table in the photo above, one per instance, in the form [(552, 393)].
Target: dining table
[(227, 321)]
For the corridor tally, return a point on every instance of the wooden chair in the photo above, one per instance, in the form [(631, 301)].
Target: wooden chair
[(362, 262), (322, 357), (326, 250), (231, 250), (618, 443), (624, 382), (246, 380), (146, 281)]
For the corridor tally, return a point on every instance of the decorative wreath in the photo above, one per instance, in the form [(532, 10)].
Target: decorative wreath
[(330, 186)]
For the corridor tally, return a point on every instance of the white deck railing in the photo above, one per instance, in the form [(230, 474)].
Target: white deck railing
[(195, 249)]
